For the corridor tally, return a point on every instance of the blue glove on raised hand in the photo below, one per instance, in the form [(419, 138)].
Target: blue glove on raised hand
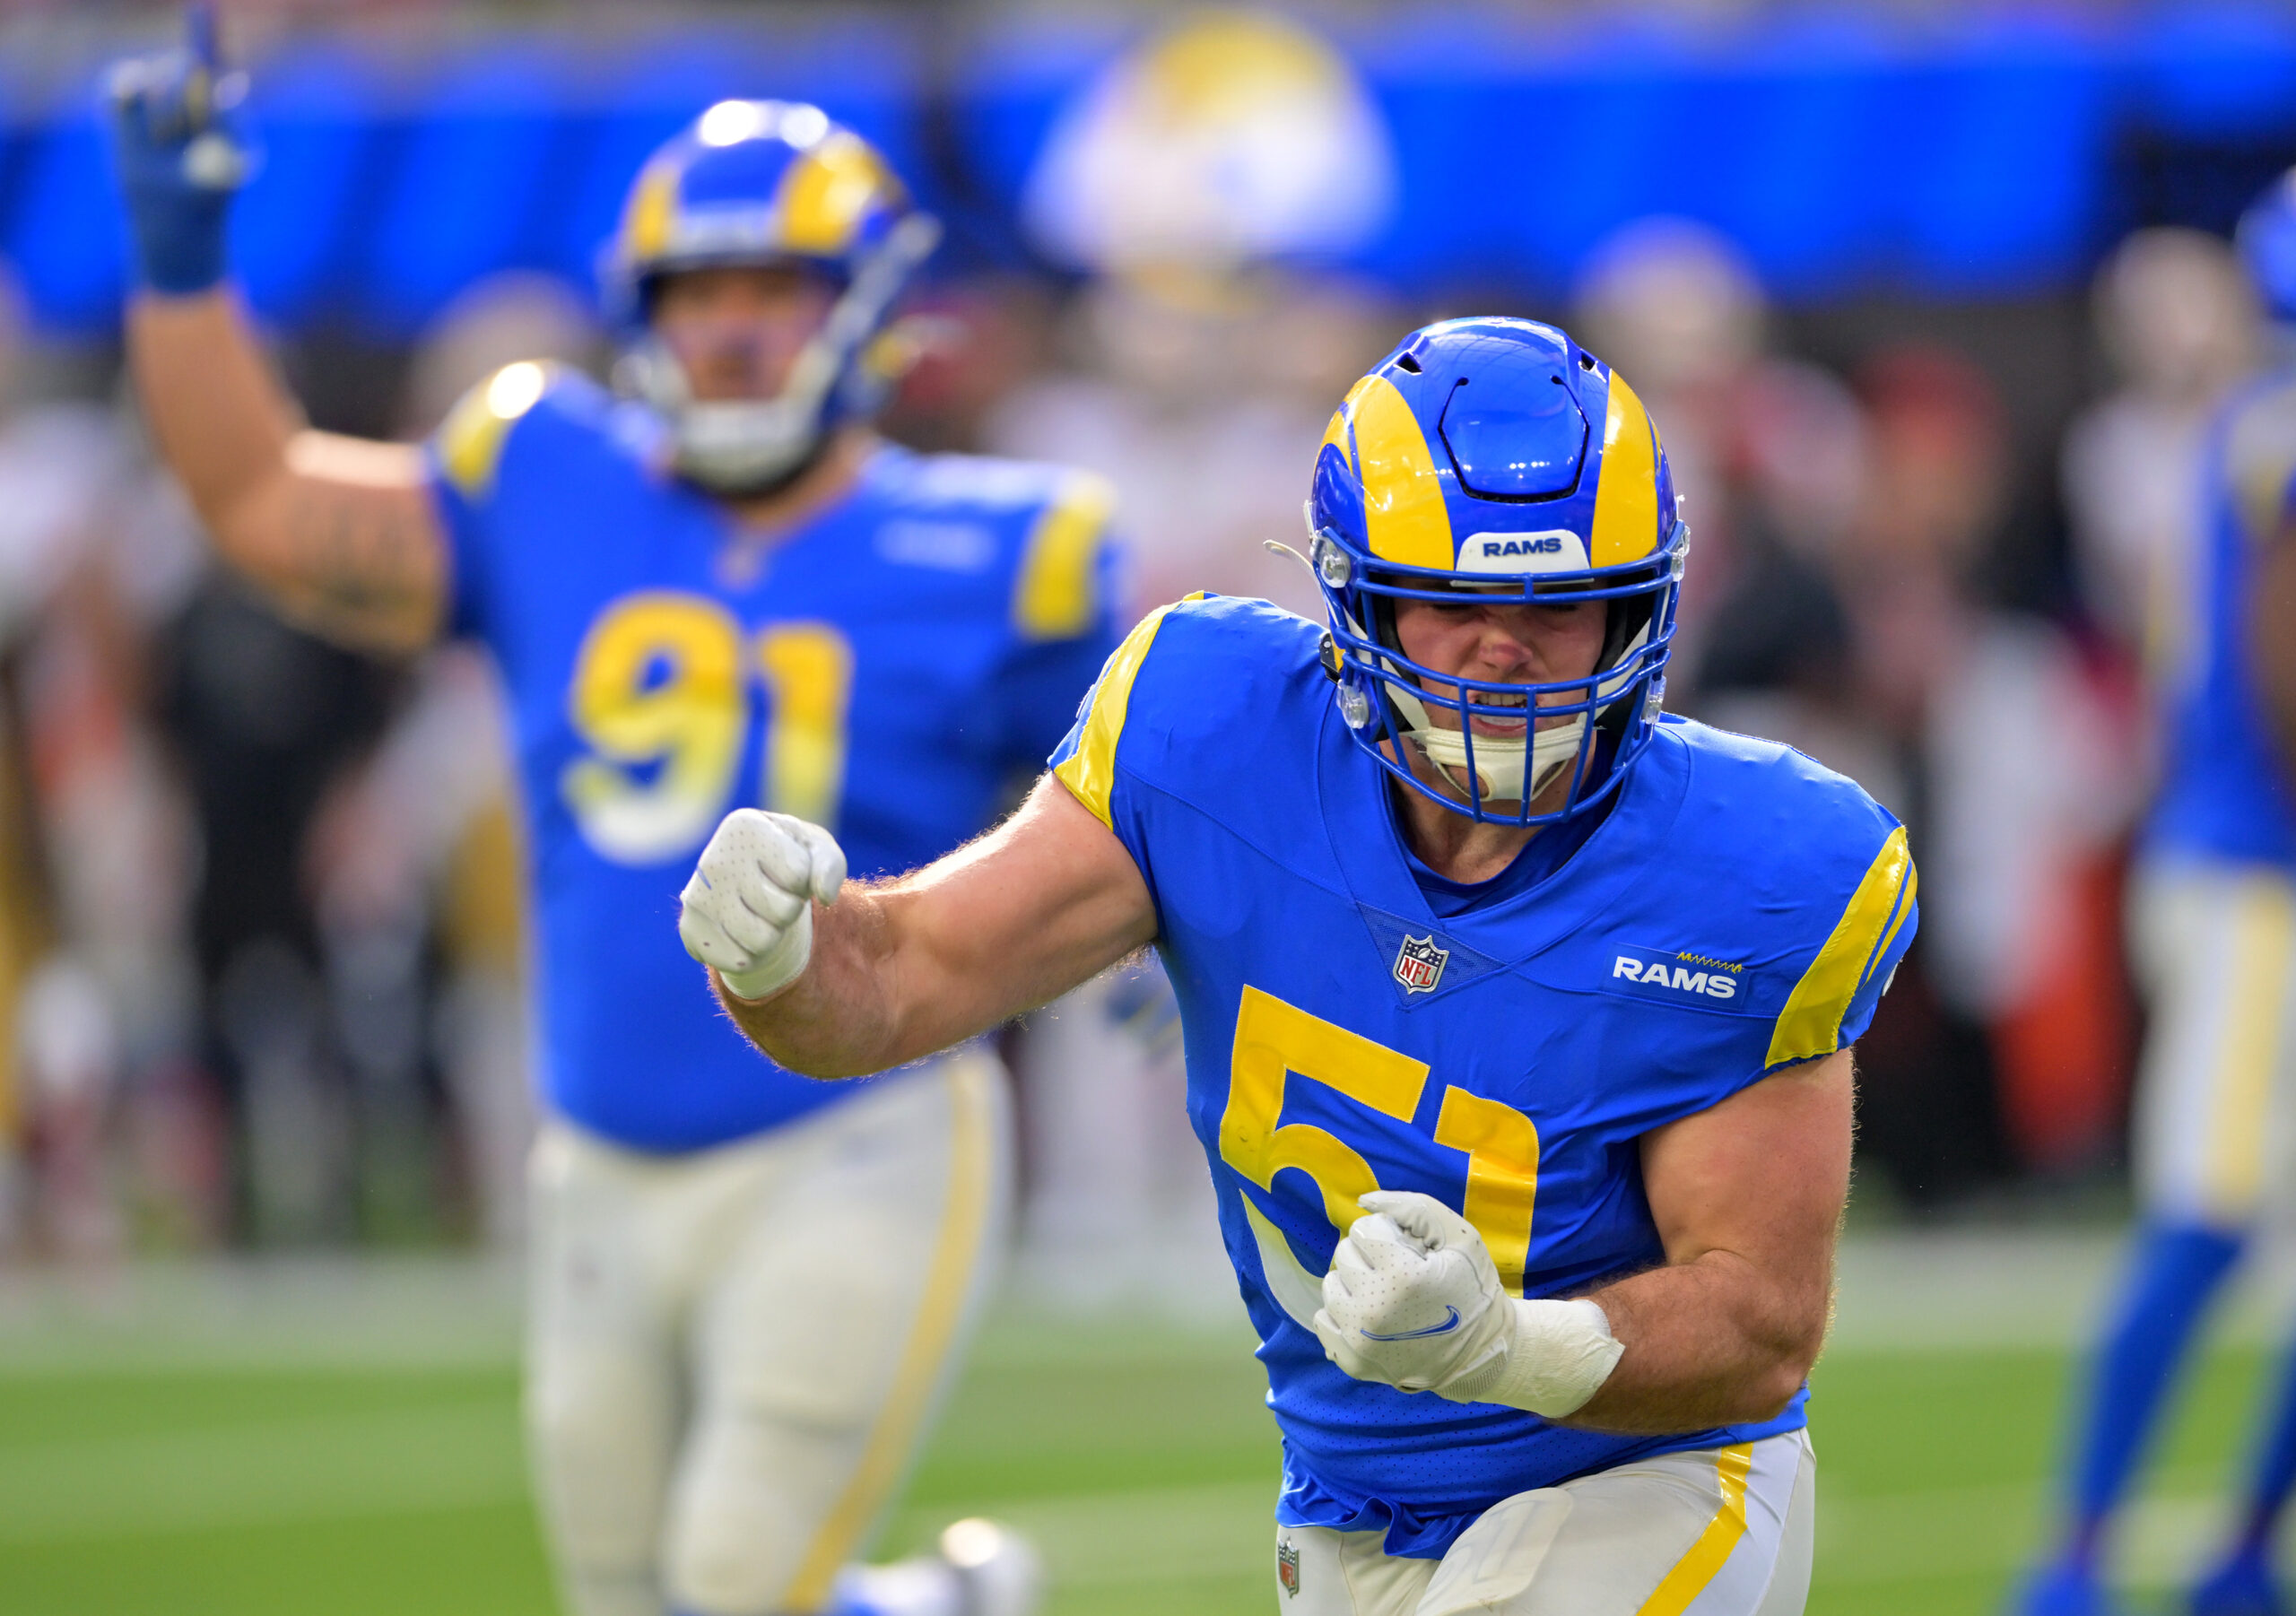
[(181, 144)]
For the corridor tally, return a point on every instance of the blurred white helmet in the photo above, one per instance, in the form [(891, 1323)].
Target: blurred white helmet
[(1231, 137)]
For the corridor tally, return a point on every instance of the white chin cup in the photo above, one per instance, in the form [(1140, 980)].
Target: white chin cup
[(1499, 766), (736, 444), (746, 444)]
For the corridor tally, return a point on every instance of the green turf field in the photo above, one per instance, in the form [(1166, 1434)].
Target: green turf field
[(210, 1487)]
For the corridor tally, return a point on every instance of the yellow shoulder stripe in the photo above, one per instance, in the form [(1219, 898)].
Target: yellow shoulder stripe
[(1056, 597), (469, 440), (1810, 1023), (1090, 771)]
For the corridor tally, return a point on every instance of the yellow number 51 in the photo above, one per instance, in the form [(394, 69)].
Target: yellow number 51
[(1274, 1039)]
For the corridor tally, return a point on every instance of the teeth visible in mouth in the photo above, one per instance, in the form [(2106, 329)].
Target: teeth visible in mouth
[(1522, 700)]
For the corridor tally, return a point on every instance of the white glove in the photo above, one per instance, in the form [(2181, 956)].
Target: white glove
[(748, 912), (1412, 1301), (1411, 1298)]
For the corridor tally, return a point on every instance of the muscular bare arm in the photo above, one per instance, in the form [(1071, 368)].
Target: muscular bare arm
[(1748, 1198), (339, 533), (1013, 920)]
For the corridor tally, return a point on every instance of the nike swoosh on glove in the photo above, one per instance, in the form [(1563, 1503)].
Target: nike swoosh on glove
[(1413, 1302), (1412, 1299), (748, 912)]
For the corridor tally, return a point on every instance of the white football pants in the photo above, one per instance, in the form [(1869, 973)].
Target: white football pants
[(2214, 1136), (733, 1355), (1715, 1531)]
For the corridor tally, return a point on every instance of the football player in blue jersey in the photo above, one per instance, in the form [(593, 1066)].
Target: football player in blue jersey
[(1517, 1012), (2213, 920), (721, 588)]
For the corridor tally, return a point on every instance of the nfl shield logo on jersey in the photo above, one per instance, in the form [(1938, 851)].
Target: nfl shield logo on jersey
[(1287, 1569), (1418, 963)]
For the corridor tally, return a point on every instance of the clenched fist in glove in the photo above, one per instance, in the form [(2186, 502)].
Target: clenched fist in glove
[(1412, 1301), (748, 912)]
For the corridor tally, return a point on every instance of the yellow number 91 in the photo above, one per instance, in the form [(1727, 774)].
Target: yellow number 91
[(1274, 1039), (660, 697)]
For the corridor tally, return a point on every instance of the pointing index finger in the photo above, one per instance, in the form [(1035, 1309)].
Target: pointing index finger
[(200, 35)]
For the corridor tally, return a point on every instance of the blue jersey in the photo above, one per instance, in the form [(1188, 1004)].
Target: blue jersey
[(1738, 911), (2224, 795), (886, 671)]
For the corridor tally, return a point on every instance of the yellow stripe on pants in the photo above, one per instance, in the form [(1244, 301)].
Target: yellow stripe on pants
[(1695, 1570), (955, 1256), (2263, 930)]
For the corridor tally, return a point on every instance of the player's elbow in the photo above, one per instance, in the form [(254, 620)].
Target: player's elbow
[(1770, 1391), (823, 1070), (820, 1062), (1774, 1382), (824, 1060)]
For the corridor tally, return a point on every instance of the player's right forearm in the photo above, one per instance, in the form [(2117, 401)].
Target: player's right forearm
[(221, 418), (843, 1015), (338, 533), (891, 973)]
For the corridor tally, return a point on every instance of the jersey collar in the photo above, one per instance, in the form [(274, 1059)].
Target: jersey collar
[(1368, 849)]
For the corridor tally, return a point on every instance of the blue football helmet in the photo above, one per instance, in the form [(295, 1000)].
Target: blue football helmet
[(2266, 238), (767, 182), (1497, 458)]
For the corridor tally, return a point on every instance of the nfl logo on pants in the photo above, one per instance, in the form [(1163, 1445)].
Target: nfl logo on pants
[(1287, 1569), (1418, 963)]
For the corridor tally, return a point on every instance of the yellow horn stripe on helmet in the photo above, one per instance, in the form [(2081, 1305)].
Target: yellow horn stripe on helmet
[(1336, 434), (1626, 505), (1404, 516), (653, 208), (827, 193)]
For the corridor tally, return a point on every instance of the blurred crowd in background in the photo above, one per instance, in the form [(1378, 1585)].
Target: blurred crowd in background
[(260, 940)]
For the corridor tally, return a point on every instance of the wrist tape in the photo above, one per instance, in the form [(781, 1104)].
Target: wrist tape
[(1558, 1355)]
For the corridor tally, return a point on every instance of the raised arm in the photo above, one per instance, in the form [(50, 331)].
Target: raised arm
[(341, 533), (848, 979)]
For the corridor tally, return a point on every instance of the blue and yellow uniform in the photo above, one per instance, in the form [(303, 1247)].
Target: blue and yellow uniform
[(1354, 1021), (2212, 935), (2224, 795), (888, 670)]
